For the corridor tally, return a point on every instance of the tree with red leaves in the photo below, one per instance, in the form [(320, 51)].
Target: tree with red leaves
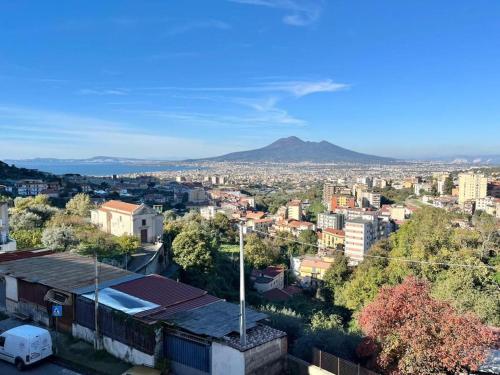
[(409, 332)]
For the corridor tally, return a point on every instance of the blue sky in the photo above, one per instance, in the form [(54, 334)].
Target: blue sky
[(191, 78)]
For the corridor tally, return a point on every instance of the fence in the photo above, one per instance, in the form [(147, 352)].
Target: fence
[(336, 365)]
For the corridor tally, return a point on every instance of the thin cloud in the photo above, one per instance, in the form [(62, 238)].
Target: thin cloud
[(101, 92), (298, 12), (194, 25), (295, 88), (22, 129)]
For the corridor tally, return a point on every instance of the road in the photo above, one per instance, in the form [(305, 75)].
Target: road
[(44, 368)]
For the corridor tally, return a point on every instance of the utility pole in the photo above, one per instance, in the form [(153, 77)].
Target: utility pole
[(243, 321), (96, 304)]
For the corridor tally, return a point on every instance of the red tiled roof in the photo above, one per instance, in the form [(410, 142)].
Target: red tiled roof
[(271, 271), (119, 206), (336, 232), (255, 215), (16, 255), (316, 263)]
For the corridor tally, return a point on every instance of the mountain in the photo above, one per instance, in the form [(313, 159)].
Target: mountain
[(295, 150)]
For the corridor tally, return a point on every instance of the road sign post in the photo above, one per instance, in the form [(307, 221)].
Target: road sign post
[(57, 312)]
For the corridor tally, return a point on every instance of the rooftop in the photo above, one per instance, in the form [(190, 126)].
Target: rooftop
[(119, 206), (64, 271), (217, 319)]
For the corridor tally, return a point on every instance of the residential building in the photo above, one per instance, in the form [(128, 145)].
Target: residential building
[(294, 210), (271, 277), (6, 243), (422, 186), (487, 204), (339, 200), (397, 213), (330, 220), (293, 226), (360, 234), (120, 218), (332, 238), (311, 269), (209, 212), (31, 187), (471, 186), (369, 199), (197, 195)]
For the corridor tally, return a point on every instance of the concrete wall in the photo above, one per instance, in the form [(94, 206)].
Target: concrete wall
[(267, 358), (115, 348), (226, 360), (11, 288)]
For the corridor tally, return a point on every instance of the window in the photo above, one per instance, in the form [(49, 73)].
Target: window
[(143, 222), (2, 341)]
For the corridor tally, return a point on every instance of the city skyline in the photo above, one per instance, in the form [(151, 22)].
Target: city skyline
[(157, 80)]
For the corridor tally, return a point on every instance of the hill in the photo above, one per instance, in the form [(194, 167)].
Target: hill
[(11, 172), (295, 150)]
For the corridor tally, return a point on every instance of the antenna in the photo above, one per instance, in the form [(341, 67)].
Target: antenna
[(243, 321)]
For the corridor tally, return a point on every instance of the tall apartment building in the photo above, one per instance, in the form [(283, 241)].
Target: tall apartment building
[(6, 243), (294, 210), (360, 234), (330, 189), (335, 221), (471, 186), (369, 199)]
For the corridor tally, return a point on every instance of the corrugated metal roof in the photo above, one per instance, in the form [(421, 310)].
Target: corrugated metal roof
[(167, 312), (15, 255), (216, 319), (160, 290), (64, 271)]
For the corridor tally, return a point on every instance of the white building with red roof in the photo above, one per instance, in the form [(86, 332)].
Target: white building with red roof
[(120, 218)]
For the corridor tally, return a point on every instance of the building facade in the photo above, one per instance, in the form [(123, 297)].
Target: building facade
[(6, 243), (119, 218), (326, 220), (360, 234), (471, 186)]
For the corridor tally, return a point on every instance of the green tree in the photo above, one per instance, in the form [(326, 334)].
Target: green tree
[(309, 241), (59, 238), (127, 244), (337, 275), (79, 205), (259, 253), (486, 226), (322, 321), (448, 185), (25, 220), (27, 239), (194, 249)]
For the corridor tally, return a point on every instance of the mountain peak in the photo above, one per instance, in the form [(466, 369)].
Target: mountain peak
[(293, 140), (293, 149)]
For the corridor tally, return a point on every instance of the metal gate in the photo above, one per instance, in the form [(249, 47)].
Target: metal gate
[(194, 354)]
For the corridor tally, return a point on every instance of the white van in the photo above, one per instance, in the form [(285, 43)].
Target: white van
[(25, 345)]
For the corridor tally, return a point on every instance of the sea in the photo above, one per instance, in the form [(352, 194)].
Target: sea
[(100, 169)]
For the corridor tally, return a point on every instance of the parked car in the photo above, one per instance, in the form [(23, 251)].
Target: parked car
[(25, 345)]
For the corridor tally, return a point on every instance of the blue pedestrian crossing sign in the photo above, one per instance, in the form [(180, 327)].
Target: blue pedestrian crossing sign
[(57, 310)]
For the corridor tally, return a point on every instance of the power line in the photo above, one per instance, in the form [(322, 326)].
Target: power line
[(380, 256)]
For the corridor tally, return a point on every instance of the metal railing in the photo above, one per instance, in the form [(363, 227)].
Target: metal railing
[(336, 365)]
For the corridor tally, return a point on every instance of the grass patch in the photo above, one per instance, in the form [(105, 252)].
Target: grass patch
[(229, 249)]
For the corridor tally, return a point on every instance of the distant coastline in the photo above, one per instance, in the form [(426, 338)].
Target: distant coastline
[(99, 169)]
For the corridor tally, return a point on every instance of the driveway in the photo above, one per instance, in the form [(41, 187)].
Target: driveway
[(44, 368)]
